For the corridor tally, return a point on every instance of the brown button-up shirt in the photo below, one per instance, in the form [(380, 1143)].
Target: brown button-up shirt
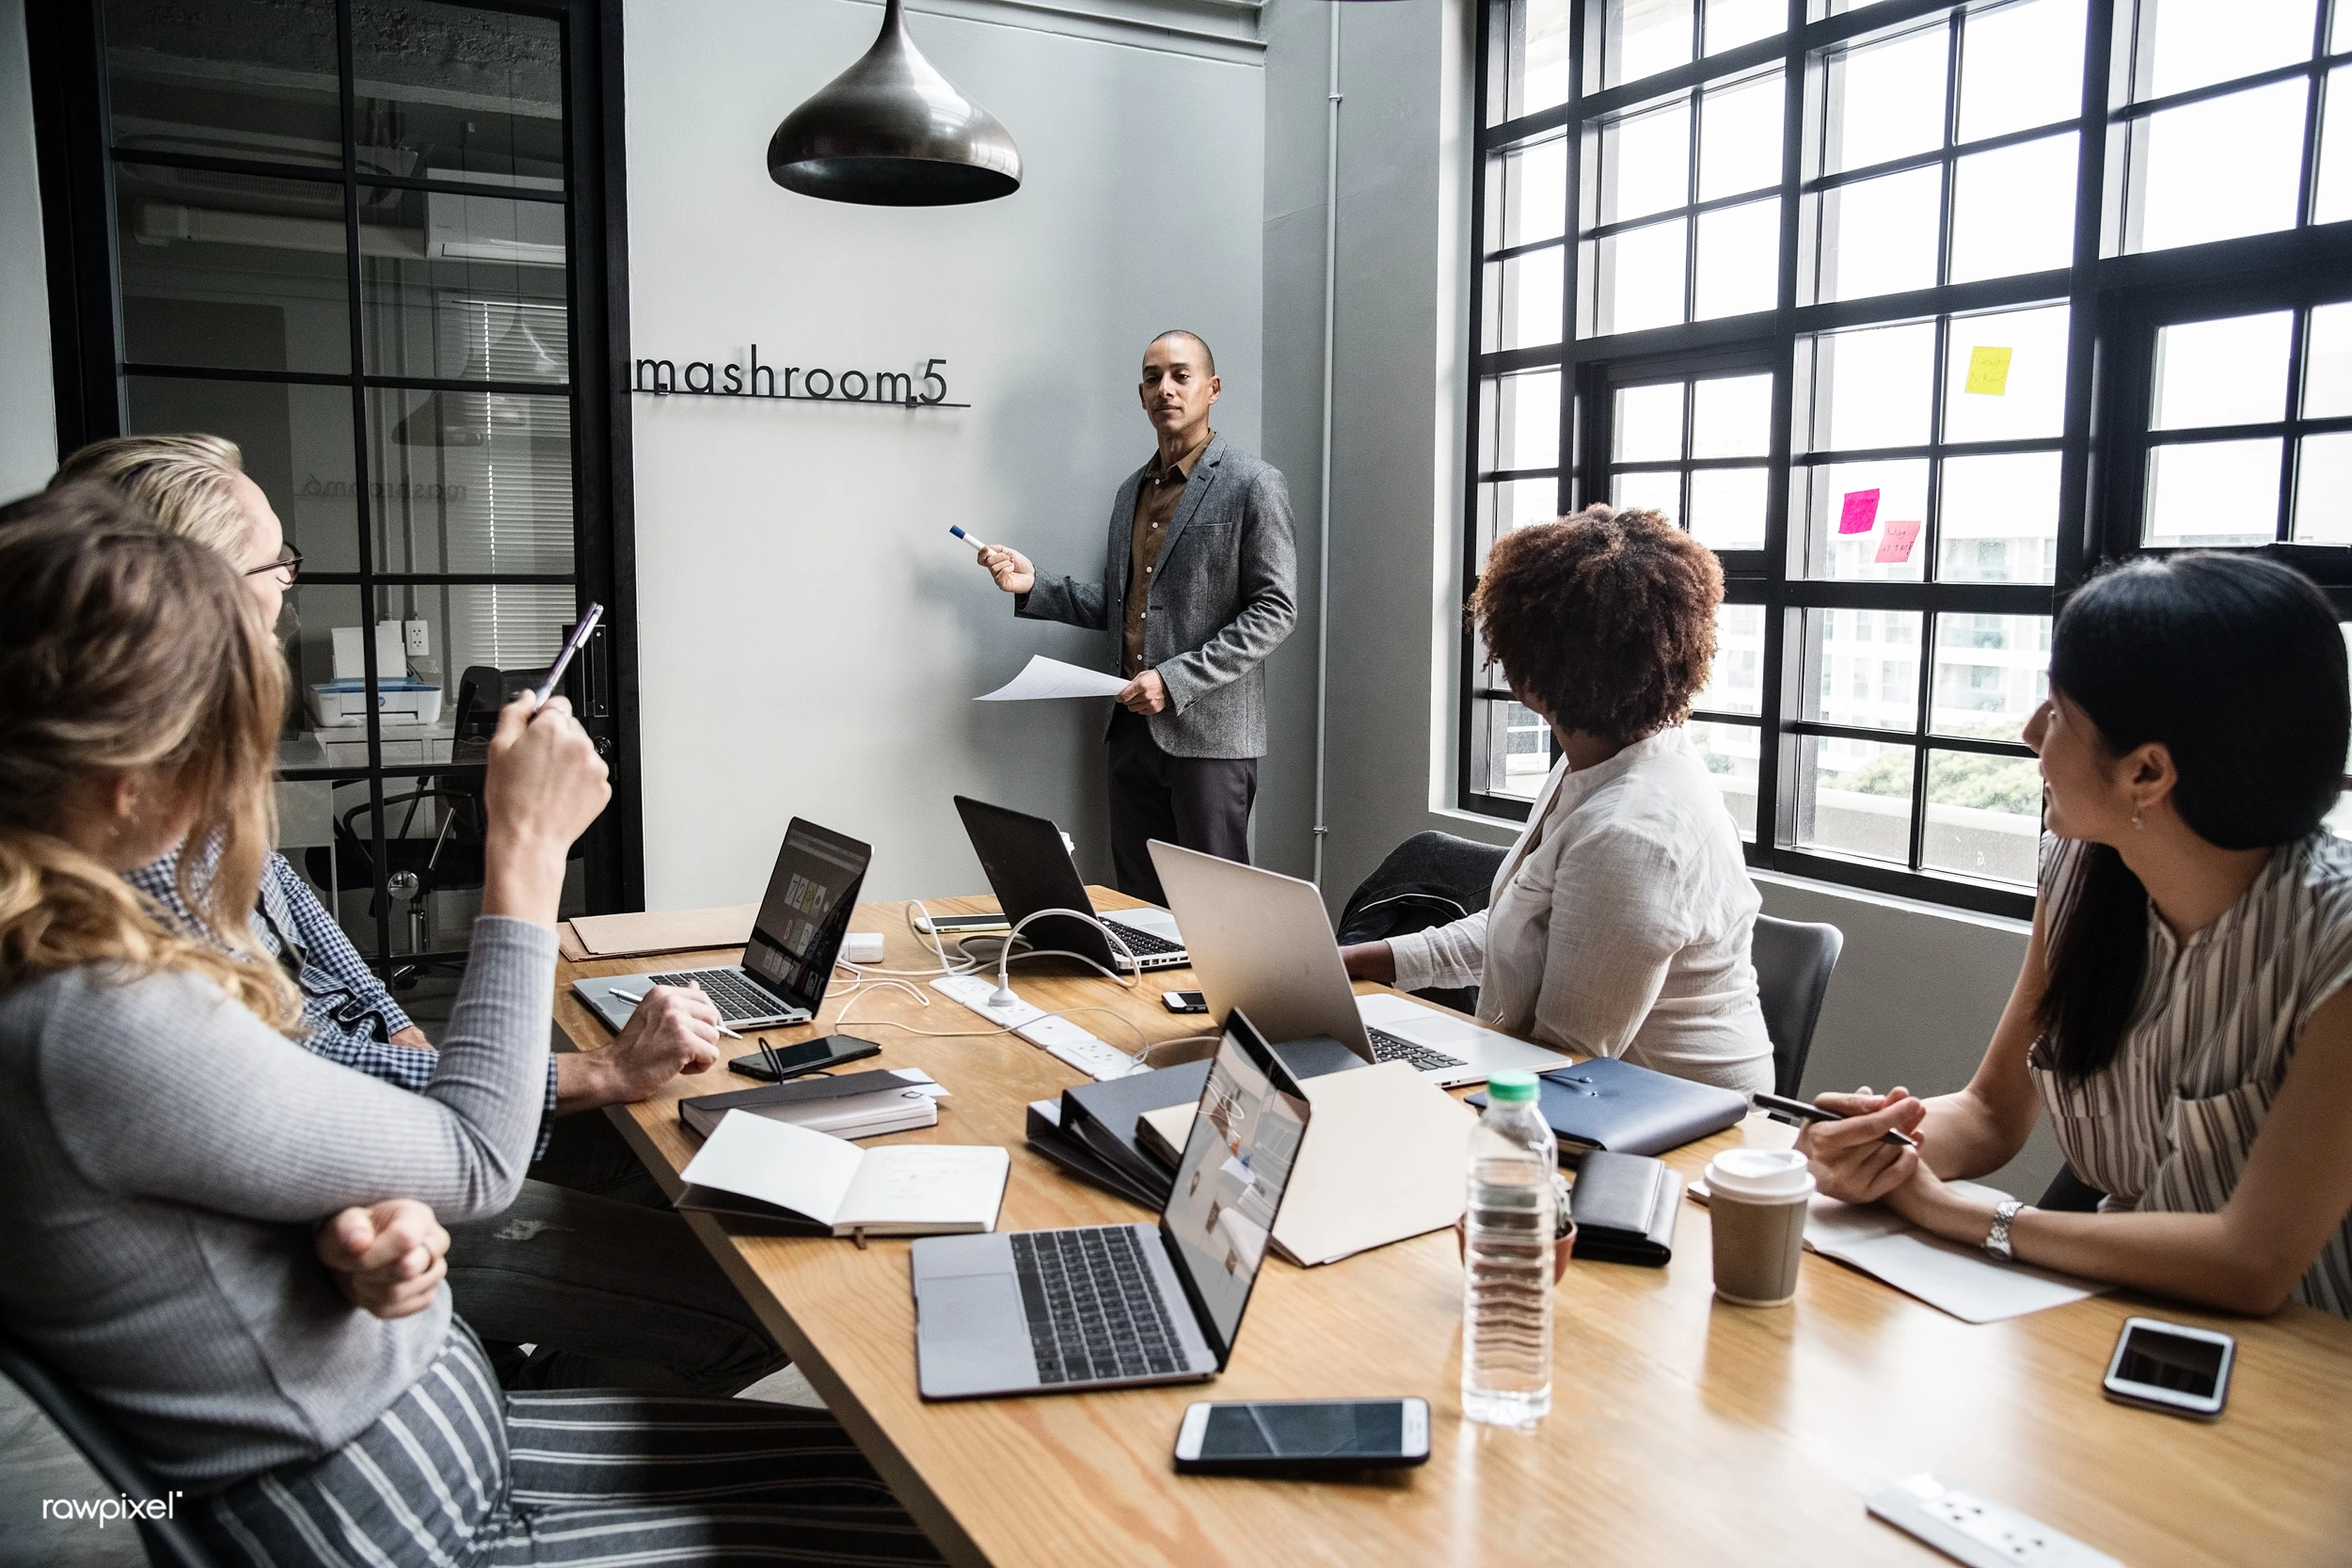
[(1155, 507)]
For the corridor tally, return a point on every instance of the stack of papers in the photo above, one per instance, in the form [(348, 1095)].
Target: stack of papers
[(1042, 679), (848, 1106), (802, 1183)]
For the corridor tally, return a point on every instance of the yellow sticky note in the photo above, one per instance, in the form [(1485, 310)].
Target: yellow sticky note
[(1987, 370)]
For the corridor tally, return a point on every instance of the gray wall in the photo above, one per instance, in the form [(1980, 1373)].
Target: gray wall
[(1918, 989), (812, 638), (29, 408)]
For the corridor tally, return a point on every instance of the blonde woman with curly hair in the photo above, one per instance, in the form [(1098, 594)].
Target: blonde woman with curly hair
[(167, 1148)]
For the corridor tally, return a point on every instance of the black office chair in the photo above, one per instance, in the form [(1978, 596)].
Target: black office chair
[(170, 1543), (1429, 879), (2069, 1193), (1793, 961)]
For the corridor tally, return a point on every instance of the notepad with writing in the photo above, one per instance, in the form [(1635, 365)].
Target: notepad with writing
[(812, 1184)]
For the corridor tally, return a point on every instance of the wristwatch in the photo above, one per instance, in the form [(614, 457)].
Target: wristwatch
[(1997, 1240)]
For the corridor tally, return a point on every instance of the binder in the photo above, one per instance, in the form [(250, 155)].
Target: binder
[(1608, 1104)]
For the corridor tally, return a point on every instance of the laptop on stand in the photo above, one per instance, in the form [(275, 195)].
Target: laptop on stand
[(1262, 943), (1030, 869), (789, 963), (1114, 1306)]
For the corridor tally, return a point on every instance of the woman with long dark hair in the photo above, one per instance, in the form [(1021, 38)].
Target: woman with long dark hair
[(2183, 1010)]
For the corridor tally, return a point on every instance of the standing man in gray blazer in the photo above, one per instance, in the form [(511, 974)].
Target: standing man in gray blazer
[(1200, 582)]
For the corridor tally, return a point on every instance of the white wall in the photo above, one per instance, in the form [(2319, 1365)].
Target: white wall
[(29, 408), (812, 636), (1918, 990)]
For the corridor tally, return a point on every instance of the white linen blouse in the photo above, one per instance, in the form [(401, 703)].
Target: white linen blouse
[(1619, 923)]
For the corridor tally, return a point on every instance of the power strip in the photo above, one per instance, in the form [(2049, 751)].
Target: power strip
[(1055, 1035), (1980, 1533)]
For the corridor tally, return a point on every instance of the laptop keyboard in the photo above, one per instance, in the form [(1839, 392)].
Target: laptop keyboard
[(1389, 1048), (736, 998), (1143, 945), (1093, 1314)]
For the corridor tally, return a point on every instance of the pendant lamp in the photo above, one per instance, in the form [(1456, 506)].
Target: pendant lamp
[(892, 132)]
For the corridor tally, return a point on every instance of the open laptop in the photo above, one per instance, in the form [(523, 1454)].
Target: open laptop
[(1261, 941), (1030, 869), (1111, 1306), (788, 961)]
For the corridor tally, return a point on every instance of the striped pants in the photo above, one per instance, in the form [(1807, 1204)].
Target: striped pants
[(458, 1474)]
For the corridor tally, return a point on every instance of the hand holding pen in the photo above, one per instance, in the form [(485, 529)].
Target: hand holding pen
[(1863, 1146), (1009, 567)]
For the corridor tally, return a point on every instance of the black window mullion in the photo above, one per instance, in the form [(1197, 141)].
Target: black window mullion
[(2290, 448), (1483, 84), (1919, 750)]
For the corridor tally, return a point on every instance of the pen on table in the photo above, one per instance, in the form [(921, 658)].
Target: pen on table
[(639, 996), (1781, 1105), (976, 544)]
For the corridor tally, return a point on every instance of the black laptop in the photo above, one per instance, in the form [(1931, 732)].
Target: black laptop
[(1030, 869), (788, 961)]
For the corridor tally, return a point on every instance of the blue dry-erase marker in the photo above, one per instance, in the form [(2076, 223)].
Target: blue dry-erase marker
[(976, 544)]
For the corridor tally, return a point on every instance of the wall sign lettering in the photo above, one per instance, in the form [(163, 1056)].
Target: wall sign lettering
[(700, 378)]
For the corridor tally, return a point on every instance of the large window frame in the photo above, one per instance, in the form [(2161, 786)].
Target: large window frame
[(2116, 300)]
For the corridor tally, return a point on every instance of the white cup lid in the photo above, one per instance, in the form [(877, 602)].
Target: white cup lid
[(1767, 1175)]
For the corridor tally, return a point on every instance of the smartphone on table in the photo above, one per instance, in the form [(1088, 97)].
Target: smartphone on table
[(806, 1057), (1302, 1437), (2172, 1368)]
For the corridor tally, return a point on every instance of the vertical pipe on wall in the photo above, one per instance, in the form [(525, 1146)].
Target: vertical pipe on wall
[(1323, 524)]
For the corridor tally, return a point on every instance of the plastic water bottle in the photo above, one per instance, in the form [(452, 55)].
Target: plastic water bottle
[(1506, 1257)]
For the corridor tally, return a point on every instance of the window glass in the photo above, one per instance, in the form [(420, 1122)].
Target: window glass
[(1727, 507), (1517, 749), (1740, 136), (1998, 518), (1848, 510), (2327, 362), (2218, 169), (1865, 667), (179, 79), (2020, 66), (2213, 493), (2013, 209), (2333, 201), (1661, 493), (2195, 43), (1733, 23), (2323, 489), (1738, 252), (1984, 816), (1990, 673), (1529, 66), (1635, 279), (1521, 422), (463, 287), (453, 93), (1648, 423), (1735, 684), (1873, 387), (1524, 299), (1854, 798), (232, 271), (295, 442), (1645, 162), (1527, 193), (1641, 38), (1729, 755), (2218, 373), (1885, 99), (1731, 417), (2005, 375), (1879, 236), (1516, 502)]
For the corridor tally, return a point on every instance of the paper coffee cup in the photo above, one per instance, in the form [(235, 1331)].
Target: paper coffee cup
[(1757, 1208)]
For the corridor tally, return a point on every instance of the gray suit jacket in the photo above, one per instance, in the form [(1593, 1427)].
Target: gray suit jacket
[(1225, 595)]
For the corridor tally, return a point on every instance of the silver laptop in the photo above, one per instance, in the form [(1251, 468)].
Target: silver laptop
[(1029, 868), (1110, 1306), (1261, 942), (789, 963)]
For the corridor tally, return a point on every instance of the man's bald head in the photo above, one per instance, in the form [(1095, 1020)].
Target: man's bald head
[(1199, 346)]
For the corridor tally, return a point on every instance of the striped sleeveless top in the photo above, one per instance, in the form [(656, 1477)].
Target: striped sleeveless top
[(2168, 1126)]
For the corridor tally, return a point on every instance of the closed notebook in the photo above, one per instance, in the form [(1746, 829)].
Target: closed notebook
[(800, 1183), (1382, 1162), (1609, 1104), (1625, 1207), (849, 1104)]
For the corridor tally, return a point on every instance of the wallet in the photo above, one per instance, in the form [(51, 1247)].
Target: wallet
[(1625, 1207)]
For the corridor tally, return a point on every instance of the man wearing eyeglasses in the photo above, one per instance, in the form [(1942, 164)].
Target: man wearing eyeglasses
[(589, 1264)]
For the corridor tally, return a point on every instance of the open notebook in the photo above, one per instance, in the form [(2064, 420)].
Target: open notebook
[(803, 1182)]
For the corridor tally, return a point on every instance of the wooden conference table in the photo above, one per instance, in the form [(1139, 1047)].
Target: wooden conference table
[(1681, 1431)]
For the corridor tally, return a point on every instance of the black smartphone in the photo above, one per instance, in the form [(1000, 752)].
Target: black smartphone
[(1302, 1437), (808, 1056), (1184, 1001)]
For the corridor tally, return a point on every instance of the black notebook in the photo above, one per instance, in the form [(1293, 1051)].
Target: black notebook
[(1614, 1105)]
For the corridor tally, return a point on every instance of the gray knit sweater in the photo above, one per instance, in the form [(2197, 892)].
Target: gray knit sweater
[(165, 1159)]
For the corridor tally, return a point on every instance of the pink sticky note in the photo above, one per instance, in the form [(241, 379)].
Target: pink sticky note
[(1861, 510), (1895, 547)]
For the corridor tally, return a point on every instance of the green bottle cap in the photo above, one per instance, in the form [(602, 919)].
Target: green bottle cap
[(1512, 1088)]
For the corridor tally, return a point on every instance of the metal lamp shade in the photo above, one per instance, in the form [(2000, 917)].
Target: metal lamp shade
[(892, 132)]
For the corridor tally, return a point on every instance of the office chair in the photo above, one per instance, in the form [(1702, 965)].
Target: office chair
[(1429, 879), (1793, 961), (2069, 1193), (170, 1543)]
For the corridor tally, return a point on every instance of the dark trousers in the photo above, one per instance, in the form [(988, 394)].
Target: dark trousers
[(1198, 803)]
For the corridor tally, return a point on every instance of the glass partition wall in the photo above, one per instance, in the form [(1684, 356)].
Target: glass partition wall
[(1914, 313), (365, 241)]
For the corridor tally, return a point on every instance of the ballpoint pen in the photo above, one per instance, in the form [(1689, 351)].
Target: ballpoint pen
[(1782, 1106), (639, 996)]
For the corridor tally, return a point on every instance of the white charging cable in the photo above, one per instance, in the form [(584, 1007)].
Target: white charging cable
[(1003, 995)]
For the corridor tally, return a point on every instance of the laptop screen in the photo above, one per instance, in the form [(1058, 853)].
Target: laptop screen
[(1230, 1183), (806, 913)]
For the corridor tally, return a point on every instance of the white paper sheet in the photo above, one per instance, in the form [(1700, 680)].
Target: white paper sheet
[(775, 1162), (1960, 1280), (928, 1184), (1043, 678)]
